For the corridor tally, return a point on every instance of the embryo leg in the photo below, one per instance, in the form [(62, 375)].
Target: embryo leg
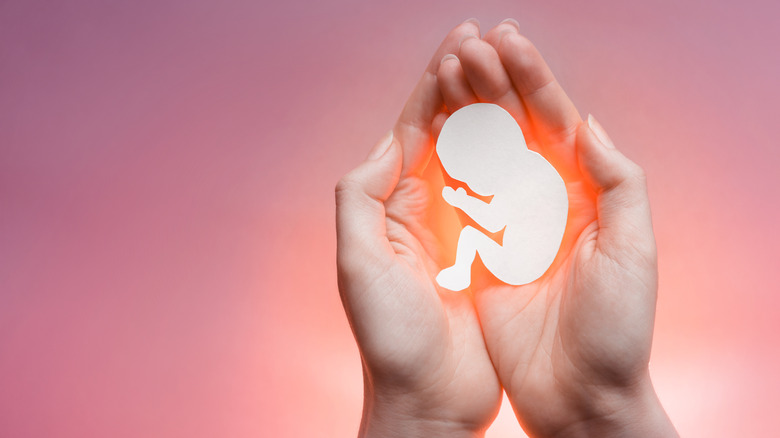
[(471, 241)]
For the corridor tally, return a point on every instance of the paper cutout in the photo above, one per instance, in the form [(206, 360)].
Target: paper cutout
[(482, 146)]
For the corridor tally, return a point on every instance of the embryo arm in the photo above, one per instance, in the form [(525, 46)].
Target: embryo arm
[(484, 214)]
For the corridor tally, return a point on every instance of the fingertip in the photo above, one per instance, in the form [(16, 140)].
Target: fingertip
[(472, 21), (465, 38), (599, 131), (381, 148), (467, 29), (554, 116), (448, 70), (590, 156), (512, 22), (381, 175), (454, 86), (484, 71), (470, 26), (621, 196), (517, 49), (494, 36), (394, 152), (424, 103), (519, 41), (469, 44), (605, 167), (452, 41), (360, 197), (448, 57)]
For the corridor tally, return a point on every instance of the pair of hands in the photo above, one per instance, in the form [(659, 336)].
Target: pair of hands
[(571, 349)]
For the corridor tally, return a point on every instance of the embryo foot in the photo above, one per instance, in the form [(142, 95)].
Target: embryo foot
[(454, 278)]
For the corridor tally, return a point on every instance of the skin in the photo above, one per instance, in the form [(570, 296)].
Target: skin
[(572, 348), (426, 368)]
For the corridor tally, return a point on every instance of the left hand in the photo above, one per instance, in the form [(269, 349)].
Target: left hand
[(426, 368)]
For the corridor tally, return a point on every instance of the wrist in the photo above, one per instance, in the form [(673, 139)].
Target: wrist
[(406, 415), (635, 412), (376, 425)]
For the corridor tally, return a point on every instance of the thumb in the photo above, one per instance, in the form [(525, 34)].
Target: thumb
[(360, 211), (625, 225)]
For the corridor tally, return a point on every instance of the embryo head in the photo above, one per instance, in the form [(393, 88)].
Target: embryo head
[(481, 145)]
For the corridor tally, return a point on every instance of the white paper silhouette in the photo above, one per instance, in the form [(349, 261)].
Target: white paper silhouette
[(482, 146)]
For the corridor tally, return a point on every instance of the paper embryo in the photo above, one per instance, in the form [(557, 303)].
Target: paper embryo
[(482, 146)]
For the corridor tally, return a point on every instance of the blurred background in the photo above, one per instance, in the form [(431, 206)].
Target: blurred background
[(167, 167)]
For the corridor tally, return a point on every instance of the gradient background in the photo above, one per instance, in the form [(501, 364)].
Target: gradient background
[(167, 219)]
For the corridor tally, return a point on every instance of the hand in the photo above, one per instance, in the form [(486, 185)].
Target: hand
[(454, 197), (426, 368), (572, 348)]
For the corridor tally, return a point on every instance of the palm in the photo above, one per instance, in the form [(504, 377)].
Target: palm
[(579, 326), (442, 353)]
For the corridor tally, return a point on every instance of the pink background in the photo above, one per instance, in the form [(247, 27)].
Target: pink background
[(167, 219)]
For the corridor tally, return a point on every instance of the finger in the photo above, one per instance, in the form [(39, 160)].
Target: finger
[(493, 37), (625, 225), (489, 79), (554, 116), (438, 124), (360, 211), (413, 128), (454, 86)]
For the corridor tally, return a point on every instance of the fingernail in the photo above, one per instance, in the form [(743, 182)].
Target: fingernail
[(448, 56), (381, 147), (601, 134), (472, 20), (468, 36), (513, 22)]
